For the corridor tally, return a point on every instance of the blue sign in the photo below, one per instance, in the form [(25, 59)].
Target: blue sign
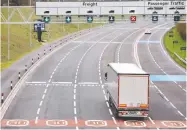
[(40, 25)]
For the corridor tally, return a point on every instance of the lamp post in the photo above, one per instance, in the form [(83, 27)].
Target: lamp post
[(8, 33)]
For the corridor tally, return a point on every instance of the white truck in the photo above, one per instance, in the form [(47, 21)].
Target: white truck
[(127, 90)]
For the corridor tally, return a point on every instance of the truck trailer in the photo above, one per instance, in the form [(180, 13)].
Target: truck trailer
[(127, 90)]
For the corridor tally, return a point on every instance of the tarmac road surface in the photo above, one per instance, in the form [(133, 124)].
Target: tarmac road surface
[(67, 89)]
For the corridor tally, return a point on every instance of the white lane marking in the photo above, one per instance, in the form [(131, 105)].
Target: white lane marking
[(58, 65), (45, 91), (51, 76), (114, 120), (151, 120), (61, 82), (77, 128), (172, 105), (118, 128), (47, 86), (110, 111), (76, 120), (138, 62), (75, 111), (88, 83), (105, 97), (118, 53), (103, 91), (49, 80), (166, 98), (43, 96), (36, 82), (36, 120), (41, 103), (157, 63), (74, 96), (38, 111), (74, 91), (162, 71), (107, 104), (180, 113), (74, 103)]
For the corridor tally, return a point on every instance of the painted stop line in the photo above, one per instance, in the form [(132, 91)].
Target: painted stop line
[(174, 124), (96, 123), (93, 123), (56, 123), (17, 123), (135, 123)]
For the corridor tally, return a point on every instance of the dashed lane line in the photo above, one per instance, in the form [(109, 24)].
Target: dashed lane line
[(168, 77), (135, 49), (158, 64), (57, 68), (138, 62), (78, 66), (99, 69)]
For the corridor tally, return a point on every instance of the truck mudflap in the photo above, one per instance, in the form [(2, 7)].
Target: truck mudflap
[(133, 113)]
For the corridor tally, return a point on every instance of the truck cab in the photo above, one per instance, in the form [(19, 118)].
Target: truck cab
[(127, 90)]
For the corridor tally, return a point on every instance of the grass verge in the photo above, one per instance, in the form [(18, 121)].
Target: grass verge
[(175, 48), (20, 41)]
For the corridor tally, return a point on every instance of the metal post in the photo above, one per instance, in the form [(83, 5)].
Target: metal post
[(2, 98), (19, 75), (38, 56), (11, 85), (8, 34), (25, 67), (32, 61)]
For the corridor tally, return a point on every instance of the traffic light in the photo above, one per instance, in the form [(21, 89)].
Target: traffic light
[(89, 19), (68, 19), (46, 19)]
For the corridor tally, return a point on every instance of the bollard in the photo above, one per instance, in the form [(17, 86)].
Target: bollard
[(38, 56), (32, 61), (44, 51), (11, 85), (25, 67), (19, 75), (2, 98)]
